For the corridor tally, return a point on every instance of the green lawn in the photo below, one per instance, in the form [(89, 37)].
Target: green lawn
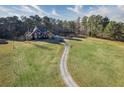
[(30, 64), (97, 62)]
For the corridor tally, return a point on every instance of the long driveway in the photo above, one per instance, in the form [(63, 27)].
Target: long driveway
[(68, 80)]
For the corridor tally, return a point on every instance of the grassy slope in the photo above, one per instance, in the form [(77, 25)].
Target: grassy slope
[(30, 64), (5, 64), (97, 62)]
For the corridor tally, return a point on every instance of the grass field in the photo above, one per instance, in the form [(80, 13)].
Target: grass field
[(97, 62), (30, 64)]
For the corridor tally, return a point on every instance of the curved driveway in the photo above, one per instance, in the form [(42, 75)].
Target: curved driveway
[(69, 82)]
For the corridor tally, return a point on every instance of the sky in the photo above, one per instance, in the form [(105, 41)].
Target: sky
[(64, 12)]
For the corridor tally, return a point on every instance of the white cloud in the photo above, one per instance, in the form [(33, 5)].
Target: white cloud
[(115, 13), (100, 10), (7, 12), (32, 10), (25, 9), (121, 7), (39, 10), (76, 9), (22, 11), (54, 13)]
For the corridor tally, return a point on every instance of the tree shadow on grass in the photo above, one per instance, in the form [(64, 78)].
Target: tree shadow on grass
[(50, 41), (76, 39), (53, 42), (41, 46)]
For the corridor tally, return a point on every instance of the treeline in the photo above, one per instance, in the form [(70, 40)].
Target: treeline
[(102, 27), (94, 26), (15, 27)]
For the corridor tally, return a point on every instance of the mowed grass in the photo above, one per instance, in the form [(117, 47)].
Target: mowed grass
[(30, 64), (97, 62)]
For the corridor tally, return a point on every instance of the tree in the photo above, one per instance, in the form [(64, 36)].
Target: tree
[(105, 22), (114, 31), (91, 24), (77, 23), (84, 25), (46, 22)]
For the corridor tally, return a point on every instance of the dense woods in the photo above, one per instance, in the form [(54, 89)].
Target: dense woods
[(94, 26)]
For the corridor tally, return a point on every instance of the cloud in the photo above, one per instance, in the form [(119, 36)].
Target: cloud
[(7, 12), (27, 10), (115, 13), (121, 7), (32, 10), (99, 10), (39, 10), (23, 10), (54, 13), (76, 9)]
